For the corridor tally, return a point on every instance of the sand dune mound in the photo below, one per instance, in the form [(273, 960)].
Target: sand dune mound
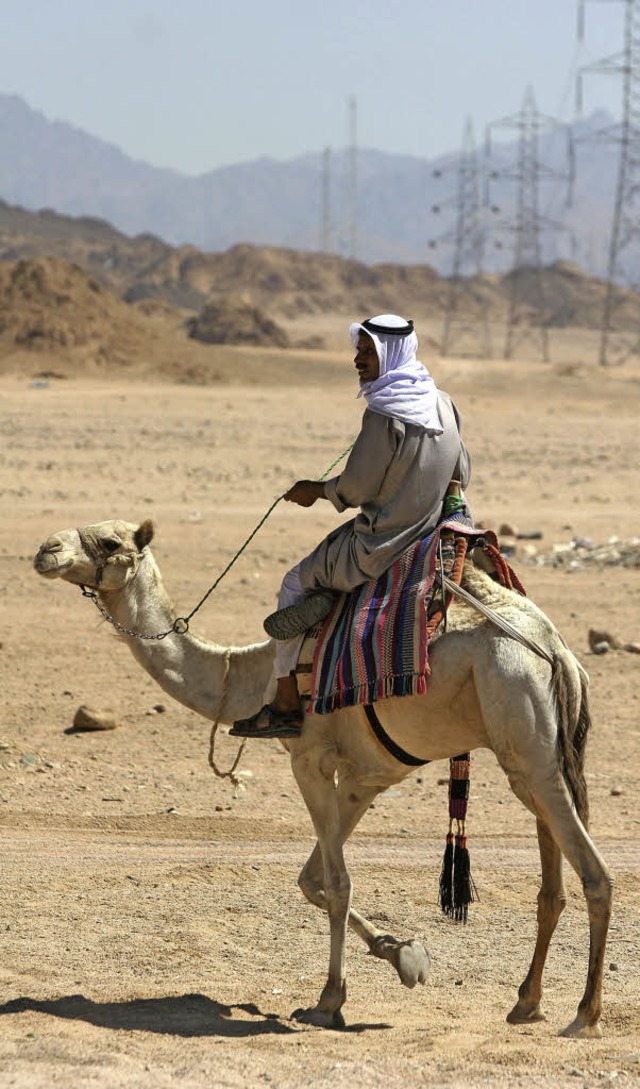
[(231, 321), (51, 305), (565, 296)]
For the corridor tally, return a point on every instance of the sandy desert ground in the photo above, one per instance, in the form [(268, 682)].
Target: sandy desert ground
[(152, 930)]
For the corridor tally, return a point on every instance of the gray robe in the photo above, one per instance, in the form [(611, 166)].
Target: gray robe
[(397, 474)]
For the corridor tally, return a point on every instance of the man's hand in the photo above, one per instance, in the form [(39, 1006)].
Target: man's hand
[(305, 492)]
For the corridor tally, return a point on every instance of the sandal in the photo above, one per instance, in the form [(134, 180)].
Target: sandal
[(269, 722)]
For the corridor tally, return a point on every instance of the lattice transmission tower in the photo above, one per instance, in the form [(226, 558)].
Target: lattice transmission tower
[(526, 318), (466, 324), (623, 270), (325, 212), (353, 177)]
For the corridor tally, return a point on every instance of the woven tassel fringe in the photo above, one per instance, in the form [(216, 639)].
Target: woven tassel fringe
[(463, 886), (445, 899), (457, 889)]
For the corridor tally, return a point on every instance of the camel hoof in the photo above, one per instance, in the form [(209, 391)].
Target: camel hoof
[(412, 963), (331, 1019), (525, 1015), (578, 1030)]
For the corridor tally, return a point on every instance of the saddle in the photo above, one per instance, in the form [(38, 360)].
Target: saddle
[(374, 642)]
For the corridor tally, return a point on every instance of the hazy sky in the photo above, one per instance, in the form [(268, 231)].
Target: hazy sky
[(197, 84)]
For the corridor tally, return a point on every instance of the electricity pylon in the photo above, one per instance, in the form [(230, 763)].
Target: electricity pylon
[(325, 218), (623, 270), (466, 325), (527, 304), (353, 177)]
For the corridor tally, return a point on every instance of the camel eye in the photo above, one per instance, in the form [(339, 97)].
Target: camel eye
[(110, 544)]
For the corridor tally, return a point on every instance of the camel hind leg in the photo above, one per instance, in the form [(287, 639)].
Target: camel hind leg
[(551, 902), (577, 847), (547, 795), (531, 735)]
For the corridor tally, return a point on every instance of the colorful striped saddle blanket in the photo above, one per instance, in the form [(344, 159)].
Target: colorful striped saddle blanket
[(374, 642)]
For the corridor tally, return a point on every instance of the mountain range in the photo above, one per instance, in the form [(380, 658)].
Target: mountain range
[(406, 205)]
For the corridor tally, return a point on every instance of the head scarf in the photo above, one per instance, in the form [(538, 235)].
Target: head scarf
[(404, 388)]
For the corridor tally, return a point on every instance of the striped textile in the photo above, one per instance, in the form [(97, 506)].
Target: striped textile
[(373, 642)]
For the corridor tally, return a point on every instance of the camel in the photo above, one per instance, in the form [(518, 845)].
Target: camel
[(485, 690)]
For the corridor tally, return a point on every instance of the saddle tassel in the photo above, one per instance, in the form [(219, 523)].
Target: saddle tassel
[(457, 889)]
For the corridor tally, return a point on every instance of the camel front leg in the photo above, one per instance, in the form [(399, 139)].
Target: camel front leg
[(551, 902), (318, 789), (409, 958)]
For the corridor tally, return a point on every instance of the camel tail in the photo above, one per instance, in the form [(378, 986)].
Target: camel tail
[(573, 721)]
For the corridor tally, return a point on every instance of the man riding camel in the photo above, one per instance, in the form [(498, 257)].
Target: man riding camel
[(407, 453)]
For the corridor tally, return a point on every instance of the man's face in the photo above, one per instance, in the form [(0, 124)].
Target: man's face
[(366, 359)]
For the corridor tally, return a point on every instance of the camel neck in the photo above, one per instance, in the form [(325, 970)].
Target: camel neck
[(186, 667)]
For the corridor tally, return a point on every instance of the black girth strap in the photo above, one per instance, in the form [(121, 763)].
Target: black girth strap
[(388, 742)]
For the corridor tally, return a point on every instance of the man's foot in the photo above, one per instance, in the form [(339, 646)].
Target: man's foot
[(269, 722)]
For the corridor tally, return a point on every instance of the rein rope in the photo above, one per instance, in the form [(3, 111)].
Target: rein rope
[(180, 625), (231, 773)]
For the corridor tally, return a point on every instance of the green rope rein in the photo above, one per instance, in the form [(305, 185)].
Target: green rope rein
[(181, 623)]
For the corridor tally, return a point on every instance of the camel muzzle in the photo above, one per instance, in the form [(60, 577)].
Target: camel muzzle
[(49, 562)]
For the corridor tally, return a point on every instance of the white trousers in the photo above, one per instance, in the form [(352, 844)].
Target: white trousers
[(288, 650)]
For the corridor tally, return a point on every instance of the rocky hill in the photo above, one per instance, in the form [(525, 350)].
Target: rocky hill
[(56, 321), (79, 291), (51, 307), (289, 283)]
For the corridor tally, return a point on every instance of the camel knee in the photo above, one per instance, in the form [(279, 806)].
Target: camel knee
[(337, 892), (599, 895), (311, 888)]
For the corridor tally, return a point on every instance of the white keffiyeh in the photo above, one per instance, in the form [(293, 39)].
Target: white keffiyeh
[(404, 389)]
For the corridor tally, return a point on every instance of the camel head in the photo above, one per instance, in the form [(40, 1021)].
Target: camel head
[(103, 556)]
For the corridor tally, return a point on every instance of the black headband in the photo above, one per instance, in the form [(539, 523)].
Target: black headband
[(395, 331)]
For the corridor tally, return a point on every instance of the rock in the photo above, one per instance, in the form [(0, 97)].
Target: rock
[(584, 542), (633, 648), (615, 792), (507, 529), (88, 719), (600, 648), (233, 321), (596, 637)]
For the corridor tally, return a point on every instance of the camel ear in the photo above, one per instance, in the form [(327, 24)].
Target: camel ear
[(144, 534)]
